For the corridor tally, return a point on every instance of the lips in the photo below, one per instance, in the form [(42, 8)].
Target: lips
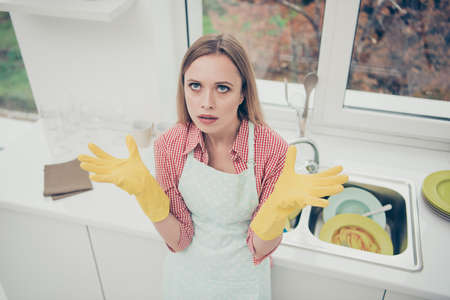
[(207, 119)]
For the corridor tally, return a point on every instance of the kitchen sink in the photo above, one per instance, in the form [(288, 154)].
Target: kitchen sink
[(401, 224)]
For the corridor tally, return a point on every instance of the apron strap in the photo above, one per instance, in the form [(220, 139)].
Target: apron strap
[(251, 145)]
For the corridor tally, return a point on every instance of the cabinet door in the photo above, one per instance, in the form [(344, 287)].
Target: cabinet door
[(45, 259), (130, 267), (390, 295), (293, 284)]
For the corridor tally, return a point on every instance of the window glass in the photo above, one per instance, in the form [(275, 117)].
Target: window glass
[(401, 49), (16, 99), (282, 38)]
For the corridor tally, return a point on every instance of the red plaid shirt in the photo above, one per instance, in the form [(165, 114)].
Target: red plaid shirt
[(171, 150)]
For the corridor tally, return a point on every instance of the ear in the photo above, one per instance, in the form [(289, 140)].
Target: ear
[(242, 98)]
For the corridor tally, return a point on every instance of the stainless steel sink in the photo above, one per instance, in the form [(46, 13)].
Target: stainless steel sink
[(401, 224)]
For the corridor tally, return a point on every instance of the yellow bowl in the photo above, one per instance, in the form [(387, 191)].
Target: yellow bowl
[(358, 232)]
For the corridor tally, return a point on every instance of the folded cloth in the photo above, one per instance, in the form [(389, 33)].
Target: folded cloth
[(65, 179)]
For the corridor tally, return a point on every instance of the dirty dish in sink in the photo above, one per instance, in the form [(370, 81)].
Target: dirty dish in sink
[(357, 232), (355, 201), (436, 189)]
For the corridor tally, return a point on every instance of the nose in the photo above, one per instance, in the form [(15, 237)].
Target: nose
[(208, 101)]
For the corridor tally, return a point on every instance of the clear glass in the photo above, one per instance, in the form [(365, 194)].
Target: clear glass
[(282, 38), (401, 48)]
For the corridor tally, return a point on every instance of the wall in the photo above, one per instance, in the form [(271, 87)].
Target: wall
[(125, 69), (2, 293)]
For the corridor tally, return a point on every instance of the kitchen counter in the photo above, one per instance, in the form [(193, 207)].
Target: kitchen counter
[(108, 207)]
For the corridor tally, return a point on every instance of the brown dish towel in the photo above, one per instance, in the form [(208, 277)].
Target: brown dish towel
[(65, 179)]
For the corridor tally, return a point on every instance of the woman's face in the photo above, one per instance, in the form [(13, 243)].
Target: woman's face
[(212, 88)]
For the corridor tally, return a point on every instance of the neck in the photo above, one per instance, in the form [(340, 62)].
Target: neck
[(224, 139)]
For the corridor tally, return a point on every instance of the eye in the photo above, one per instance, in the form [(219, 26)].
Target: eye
[(195, 86), (223, 88)]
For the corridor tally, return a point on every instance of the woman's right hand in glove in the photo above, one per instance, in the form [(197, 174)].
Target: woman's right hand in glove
[(131, 175)]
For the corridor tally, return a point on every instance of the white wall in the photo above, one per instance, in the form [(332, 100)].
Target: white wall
[(2, 293), (126, 68)]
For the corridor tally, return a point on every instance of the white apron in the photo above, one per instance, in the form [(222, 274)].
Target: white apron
[(217, 264)]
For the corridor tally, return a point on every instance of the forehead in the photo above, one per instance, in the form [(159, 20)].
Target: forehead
[(214, 68)]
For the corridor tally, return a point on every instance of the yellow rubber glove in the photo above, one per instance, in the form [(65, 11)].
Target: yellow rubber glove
[(291, 193), (130, 175)]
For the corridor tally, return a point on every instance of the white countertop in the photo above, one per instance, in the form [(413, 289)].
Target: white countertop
[(22, 163)]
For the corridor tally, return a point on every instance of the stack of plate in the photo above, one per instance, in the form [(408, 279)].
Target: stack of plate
[(436, 189)]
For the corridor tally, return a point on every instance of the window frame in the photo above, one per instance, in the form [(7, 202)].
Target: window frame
[(330, 116), (333, 117)]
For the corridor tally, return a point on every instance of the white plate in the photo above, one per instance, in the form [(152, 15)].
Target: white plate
[(356, 201)]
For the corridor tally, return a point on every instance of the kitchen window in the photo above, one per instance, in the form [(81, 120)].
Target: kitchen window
[(16, 98), (383, 68), (282, 39)]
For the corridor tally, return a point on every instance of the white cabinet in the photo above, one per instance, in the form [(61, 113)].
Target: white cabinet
[(293, 284), (42, 258), (45, 259), (130, 266)]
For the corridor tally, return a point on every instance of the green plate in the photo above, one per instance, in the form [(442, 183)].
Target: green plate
[(362, 226), (436, 188)]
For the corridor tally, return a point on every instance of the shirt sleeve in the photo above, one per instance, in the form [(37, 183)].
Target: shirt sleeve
[(167, 177), (274, 166)]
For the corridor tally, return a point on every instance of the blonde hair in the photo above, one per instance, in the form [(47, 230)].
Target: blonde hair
[(225, 44)]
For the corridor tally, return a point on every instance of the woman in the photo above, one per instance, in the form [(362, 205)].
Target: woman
[(225, 182)]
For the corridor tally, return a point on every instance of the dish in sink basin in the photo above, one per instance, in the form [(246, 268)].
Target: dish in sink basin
[(358, 232), (356, 201)]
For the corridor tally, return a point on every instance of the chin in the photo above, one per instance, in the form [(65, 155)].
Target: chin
[(202, 127), (208, 129)]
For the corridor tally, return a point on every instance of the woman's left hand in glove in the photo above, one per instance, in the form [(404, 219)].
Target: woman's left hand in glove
[(291, 193)]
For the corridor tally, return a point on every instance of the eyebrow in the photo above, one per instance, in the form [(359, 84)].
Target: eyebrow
[(219, 82), (222, 82)]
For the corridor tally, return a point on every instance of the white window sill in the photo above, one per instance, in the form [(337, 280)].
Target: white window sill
[(398, 104), (12, 130)]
